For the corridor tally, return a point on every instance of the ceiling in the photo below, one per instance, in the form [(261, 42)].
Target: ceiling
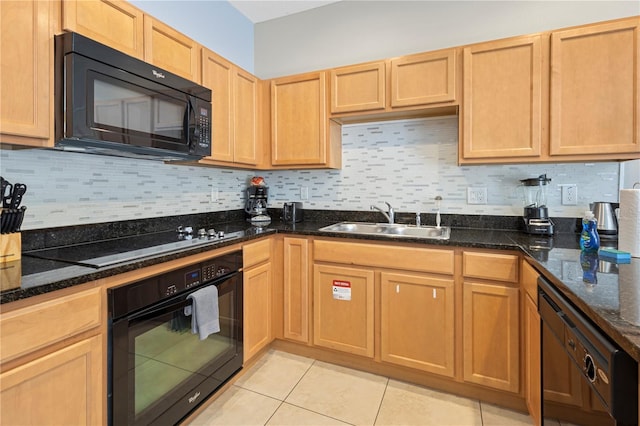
[(264, 10)]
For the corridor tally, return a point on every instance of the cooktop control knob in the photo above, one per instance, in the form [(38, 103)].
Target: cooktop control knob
[(220, 234), (202, 233), (211, 233)]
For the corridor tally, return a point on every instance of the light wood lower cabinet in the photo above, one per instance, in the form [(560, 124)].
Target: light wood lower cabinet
[(61, 388), (53, 361), (257, 283), (531, 330), (296, 289), (417, 321), (343, 309), (491, 319), (491, 337)]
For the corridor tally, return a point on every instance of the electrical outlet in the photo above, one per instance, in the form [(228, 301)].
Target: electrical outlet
[(214, 194), (304, 193), (476, 195), (569, 195)]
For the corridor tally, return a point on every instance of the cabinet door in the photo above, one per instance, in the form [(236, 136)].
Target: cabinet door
[(257, 309), (299, 120), (296, 289), (343, 309), (26, 70), (595, 99), (171, 50), (217, 75), (358, 88), (502, 99), (417, 319), (115, 23), (491, 336), (245, 118), (531, 328), (62, 388), (423, 79)]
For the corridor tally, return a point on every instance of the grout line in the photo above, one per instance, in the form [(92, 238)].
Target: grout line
[(381, 400)]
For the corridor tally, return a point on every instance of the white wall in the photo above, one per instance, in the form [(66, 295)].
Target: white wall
[(214, 24), (350, 32)]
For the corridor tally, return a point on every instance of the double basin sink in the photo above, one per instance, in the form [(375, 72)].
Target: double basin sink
[(390, 230)]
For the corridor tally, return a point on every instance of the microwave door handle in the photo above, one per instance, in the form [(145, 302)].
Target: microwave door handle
[(188, 112)]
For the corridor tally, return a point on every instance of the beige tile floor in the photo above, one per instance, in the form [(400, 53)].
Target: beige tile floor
[(286, 389)]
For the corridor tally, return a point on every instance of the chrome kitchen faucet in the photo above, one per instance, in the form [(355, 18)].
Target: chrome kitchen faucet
[(390, 215)]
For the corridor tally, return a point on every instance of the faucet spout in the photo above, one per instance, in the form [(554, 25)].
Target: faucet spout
[(389, 215)]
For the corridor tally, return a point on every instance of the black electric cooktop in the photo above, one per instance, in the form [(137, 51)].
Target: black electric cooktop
[(111, 252)]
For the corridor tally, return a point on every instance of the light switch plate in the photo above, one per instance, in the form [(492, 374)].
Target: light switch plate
[(476, 195), (304, 193)]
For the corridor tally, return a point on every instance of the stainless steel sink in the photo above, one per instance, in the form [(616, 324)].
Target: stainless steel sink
[(391, 230)]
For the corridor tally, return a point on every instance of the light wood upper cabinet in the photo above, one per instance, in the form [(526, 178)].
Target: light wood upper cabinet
[(427, 304), (595, 98), (502, 111), (343, 321), (26, 72), (301, 134), (234, 104), (358, 88), (423, 79), (171, 50), (115, 23)]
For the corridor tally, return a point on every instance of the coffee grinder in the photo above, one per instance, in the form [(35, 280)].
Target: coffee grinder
[(536, 215), (256, 203)]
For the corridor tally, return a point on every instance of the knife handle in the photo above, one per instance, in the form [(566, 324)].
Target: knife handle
[(19, 190)]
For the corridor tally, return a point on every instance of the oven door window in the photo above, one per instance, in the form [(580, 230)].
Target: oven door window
[(166, 360)]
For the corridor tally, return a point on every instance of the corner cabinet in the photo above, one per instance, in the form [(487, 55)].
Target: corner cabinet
[(26, 74), (234, 103), (302, 136), (491, 320), (257, 283), (531, 333), (115, 23), (502, 108), (595, 93)]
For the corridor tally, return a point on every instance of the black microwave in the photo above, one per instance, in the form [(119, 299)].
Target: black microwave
[(110, 103)]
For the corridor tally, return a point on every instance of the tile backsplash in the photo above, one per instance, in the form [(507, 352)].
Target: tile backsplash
[(406, 163)]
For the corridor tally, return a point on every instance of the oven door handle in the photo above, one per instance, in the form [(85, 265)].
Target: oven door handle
[(174, 303)]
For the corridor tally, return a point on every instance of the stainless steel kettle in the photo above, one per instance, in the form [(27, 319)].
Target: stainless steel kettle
[(607, 223)]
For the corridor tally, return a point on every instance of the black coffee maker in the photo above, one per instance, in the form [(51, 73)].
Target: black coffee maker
[(256, 204)]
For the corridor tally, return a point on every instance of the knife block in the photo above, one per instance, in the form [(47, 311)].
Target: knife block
[(10, 247)]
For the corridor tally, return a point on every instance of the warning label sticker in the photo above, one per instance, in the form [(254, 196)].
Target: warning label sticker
[(341, 290)]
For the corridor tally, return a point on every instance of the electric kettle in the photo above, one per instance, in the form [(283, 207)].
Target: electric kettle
[(607, 223)]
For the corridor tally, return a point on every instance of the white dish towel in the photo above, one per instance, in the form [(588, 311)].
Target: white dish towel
[(205, 318)]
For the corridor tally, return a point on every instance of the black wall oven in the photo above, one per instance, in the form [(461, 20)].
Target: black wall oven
[(586, 378), (159, 370), (111, 103)]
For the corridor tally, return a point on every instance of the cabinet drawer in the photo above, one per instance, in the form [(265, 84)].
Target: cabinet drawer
[(529, 281), (255, 253), (490, 266), (26, 330), (383, 256)]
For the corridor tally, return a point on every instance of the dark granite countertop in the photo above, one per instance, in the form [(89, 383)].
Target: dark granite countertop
[(613, 303)]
